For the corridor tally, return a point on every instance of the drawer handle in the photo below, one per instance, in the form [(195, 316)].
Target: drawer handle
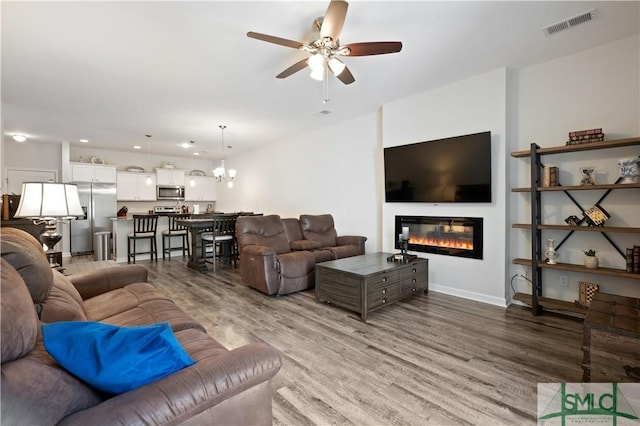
[(384, 291), (413, 280), (384, 279), (413, 270), (384, 300), (414, 289)]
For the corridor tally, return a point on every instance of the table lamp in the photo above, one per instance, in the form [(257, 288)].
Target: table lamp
[(49, 203)]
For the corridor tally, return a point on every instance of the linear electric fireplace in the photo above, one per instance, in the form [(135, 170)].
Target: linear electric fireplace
[(451, 236)]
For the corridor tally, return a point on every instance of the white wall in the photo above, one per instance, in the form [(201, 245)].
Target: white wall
[(333, 170), (469, 106), (599, 87)]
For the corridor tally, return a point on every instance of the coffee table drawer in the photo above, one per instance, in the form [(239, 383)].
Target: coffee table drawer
[(414, 279)]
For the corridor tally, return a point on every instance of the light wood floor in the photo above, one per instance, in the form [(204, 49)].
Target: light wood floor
[(431, 360)]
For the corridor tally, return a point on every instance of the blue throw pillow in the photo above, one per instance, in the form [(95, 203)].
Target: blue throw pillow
[(115, 359)]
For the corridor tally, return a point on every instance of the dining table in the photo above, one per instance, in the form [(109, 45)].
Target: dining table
[(196, 227)]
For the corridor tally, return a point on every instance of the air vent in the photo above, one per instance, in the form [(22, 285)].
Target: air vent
[(571, 22), (324, 112)]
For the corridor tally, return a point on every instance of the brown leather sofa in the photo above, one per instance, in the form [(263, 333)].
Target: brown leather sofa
[(278, 256), (222, 387)]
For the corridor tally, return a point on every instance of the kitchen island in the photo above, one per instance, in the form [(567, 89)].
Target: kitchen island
[(123, 226)]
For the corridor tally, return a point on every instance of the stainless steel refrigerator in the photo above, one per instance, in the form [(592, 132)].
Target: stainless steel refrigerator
[(98, 201)]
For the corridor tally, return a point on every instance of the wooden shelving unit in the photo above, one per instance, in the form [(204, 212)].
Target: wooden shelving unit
[(552, 304), (580, 187), (579, 268), (537, 263), (608, 229), (580, 147)]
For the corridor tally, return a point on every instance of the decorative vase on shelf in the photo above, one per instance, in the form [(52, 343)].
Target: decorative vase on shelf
[(629, 170), (590, 259), (551, 252)]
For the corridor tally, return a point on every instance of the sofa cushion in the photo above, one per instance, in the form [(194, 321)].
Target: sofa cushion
[(262, 231), (19, 320), (115, 359), (36, 390), (121, 299), (64, 302), (31, 265), (154, 311), (292, 229), (319, 228)]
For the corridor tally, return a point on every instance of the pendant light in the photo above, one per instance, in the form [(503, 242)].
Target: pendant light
[(220, 173)]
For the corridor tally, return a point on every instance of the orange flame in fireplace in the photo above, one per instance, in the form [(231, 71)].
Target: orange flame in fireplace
[(442, 242)]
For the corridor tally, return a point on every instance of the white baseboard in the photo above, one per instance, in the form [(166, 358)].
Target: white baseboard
[(478, 297)]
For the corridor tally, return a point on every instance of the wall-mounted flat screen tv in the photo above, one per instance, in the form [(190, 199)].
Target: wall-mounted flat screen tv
[(450, 170)]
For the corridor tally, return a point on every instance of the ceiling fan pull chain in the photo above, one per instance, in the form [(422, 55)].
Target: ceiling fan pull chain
[(325, 87)]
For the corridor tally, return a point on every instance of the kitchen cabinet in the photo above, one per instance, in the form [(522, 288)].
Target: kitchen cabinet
[(82, 172), (136, 186), (170, 177), (200, 188)]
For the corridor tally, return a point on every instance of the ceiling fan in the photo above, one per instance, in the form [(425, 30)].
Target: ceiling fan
[(326, 49)]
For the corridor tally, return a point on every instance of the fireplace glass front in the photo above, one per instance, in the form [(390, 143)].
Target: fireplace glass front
[(451, 236)]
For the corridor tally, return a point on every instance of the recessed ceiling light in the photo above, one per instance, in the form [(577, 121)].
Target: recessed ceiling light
[(196, 153), (185, 145), (19, 138), (137, 147), (84, 140)]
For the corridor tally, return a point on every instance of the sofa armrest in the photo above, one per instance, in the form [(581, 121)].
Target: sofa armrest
[(259, 268), (91, 284), (188, 392), (354, 240)]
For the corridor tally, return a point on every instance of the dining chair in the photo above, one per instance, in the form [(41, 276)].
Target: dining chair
[(222, 239)]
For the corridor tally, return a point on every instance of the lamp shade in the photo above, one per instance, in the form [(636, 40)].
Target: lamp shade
[(49, 200)]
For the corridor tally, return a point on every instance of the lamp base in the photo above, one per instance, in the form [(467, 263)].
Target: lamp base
[(50, 237)]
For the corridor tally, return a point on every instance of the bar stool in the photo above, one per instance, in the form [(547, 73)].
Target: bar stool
[(223, 235), (175, 230), (144, 227)]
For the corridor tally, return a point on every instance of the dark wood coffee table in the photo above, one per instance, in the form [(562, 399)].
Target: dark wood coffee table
[(365, 283)]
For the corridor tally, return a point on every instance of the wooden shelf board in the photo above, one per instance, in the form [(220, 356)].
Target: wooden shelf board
[(580, 147), (580, 268), (610, 229), (580, 187), (551, 304)]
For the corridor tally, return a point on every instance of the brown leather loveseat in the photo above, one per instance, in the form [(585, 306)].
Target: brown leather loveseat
[(278, 256), (222, 387)]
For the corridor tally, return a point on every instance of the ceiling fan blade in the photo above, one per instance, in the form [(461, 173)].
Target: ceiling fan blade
[(293, 69), (275, 40), (334, 19), (345, 76), (373, 48)]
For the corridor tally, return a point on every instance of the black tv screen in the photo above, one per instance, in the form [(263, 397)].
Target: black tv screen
[(451, 170)]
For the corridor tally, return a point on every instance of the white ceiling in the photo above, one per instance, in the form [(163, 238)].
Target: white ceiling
[(112, 72)]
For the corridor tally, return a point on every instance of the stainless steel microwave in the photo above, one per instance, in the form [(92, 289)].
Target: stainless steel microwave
[(170, 192)]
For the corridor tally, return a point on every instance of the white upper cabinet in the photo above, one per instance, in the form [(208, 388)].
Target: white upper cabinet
[(170, 177), (200, 188), (93, 173), (136, 187)]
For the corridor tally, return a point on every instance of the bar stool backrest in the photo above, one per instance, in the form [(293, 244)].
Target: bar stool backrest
[(145, 224)]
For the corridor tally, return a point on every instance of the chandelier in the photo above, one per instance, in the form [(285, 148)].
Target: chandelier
[(220, 173)]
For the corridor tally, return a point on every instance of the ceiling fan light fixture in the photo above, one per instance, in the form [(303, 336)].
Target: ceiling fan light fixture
[(336, 65), (317, 74), (316, 62)]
